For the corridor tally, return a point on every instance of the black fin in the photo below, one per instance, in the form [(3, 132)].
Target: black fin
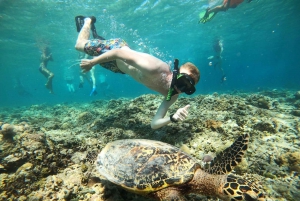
[(79, 20), (95, 35)]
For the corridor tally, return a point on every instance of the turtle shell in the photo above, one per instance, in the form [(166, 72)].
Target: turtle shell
[(144, 166)]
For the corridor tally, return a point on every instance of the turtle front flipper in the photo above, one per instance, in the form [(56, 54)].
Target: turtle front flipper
[(236, 188), (224, 162)]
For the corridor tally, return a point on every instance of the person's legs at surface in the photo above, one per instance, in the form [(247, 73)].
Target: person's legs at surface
[(70, 86), (81, 81), (93, 92), (211, 12), (93, 79), (49, 82), (49, 75)]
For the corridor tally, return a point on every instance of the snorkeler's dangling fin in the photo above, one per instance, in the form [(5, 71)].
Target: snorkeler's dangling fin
[(79, 20), (94, 32)]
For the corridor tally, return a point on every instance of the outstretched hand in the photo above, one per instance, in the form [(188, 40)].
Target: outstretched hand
[(181, 114), (86, 65)]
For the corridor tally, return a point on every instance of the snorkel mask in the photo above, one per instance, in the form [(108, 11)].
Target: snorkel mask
[(182, 81)]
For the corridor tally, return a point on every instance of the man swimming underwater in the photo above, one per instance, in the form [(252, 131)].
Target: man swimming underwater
[(115, 55)]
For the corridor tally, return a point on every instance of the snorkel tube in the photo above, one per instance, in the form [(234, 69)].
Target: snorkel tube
[(175, 73)]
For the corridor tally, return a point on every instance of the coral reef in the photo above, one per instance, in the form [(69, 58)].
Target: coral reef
[(297, 95), (213, 124), (47, 152), (290, 160)]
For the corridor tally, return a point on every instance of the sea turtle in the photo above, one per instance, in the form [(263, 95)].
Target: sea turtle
[(164, 172)]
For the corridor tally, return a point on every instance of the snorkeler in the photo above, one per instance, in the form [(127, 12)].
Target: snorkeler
[(210, 13), (70, 84), (45, 57), (91, 79), (19, 87), (217, 57), (116, 56)]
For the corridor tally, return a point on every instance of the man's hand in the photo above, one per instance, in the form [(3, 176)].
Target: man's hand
[(181, 113), (86, 65)]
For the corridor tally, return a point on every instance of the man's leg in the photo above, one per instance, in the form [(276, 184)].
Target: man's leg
[(226, 5), (84, 35)]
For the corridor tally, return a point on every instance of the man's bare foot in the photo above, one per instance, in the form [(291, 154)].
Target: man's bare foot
[(87, 20)]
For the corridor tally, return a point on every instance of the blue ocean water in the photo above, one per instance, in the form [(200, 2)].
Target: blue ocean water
[(261, 45)]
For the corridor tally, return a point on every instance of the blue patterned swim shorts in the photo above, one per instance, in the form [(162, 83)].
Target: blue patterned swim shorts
[(97, 47)]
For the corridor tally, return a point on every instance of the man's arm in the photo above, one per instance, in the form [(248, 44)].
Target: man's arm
[(159, 120)]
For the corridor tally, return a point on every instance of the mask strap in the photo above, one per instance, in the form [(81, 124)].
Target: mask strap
[(175, 72), (174, 78)]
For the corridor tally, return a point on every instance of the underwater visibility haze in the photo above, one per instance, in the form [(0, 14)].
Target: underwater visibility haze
[(50, 141), (260, 39)]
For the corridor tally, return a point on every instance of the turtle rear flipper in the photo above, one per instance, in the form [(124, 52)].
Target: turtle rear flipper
[(224, 162)]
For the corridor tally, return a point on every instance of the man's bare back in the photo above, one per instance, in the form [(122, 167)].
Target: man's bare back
[(151, 72)]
